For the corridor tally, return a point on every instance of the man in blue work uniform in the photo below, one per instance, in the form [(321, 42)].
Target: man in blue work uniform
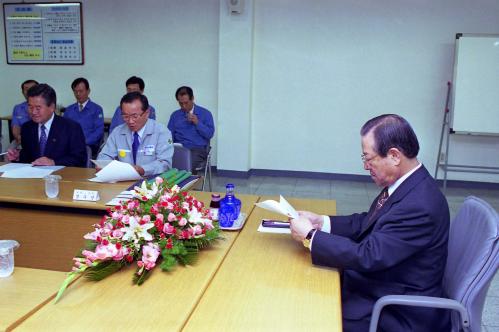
[(133, 84), (87, 113), (20, 112), (192, 126)]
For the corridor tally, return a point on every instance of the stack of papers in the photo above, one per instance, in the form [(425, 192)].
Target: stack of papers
[(27, 171), (115, 171), (122, 196)]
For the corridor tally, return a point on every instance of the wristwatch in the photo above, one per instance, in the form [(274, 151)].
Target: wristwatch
[(306, 240)]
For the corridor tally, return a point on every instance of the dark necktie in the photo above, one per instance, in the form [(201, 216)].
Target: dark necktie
[(382, 198), (135, 146), (81, 107), (43, 140)]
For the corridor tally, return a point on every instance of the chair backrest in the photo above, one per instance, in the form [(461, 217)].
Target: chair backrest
[(473, 257), (181, 157), (89, 156)]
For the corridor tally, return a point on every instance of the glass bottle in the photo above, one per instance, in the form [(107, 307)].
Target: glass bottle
[(230, 207), (214, 206)]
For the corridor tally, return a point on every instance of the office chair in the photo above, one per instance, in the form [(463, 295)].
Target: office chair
[(471, 264), (89, 156), (181, 157), (207, 170)]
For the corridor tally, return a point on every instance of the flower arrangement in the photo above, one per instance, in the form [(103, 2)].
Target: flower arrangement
[(160, 225)]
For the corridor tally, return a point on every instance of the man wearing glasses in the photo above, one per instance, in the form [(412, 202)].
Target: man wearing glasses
[(398, 247), (140, 141)]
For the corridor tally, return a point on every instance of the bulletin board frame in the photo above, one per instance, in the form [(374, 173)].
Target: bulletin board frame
[(46, 33)]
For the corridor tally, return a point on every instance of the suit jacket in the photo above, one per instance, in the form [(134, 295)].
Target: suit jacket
[(402, 249), (65, 143)]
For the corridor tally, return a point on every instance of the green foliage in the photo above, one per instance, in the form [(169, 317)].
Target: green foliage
[(139, 279), (103, 270), (168, 263)]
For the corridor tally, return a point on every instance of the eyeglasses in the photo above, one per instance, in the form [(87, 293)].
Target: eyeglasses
[(366, 160), (127, 117)]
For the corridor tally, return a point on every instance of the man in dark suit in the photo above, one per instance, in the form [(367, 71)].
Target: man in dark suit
[(49, 139), (398, 247)]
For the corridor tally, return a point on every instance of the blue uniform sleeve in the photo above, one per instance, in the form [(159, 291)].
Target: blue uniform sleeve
[(152, 113), (205, 126), (117, 120), (97, 132)]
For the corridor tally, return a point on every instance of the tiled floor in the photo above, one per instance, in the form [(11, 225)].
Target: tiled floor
[(356, 197)]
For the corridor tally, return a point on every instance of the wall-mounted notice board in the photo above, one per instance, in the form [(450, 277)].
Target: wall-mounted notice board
[(43, 33)]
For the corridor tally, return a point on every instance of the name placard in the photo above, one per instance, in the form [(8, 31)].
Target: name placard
[(86, 195)]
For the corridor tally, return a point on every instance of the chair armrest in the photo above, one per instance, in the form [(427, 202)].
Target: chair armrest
[(417, 301)]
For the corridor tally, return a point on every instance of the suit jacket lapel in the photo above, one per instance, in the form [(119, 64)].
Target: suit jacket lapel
[(396, 196), (52, 137)]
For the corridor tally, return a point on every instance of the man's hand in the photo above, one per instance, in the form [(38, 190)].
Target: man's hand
[(191, 117), (300, 228), (139, 170), (12, 154), (43, 161), (316, 220)]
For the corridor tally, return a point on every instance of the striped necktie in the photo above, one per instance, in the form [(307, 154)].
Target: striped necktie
[(43, 140), (81, 107), (382, 198)]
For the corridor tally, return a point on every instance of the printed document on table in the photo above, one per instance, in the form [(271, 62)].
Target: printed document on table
[(116, 171), (11, 166), (27, 173), (281, 207)]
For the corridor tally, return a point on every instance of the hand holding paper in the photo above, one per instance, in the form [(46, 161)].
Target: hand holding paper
[(281, 207)]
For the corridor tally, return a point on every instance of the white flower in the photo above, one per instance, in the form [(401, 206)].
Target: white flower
[(137, 231), (196, 217), (143, 191)]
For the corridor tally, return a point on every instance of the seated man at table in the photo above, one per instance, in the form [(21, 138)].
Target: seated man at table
[(133, 84), (192, 126), (20, 113), (398, 247), (87, 113), (49, 139), (140, 141)]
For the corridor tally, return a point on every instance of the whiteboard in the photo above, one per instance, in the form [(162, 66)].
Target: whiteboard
[(43, 33), (475, 107)]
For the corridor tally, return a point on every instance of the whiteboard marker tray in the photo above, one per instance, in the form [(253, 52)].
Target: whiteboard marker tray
[(238, 223)]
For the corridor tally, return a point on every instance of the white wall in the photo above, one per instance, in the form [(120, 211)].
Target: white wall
[(322, 68), (167, 43), (319, 70)]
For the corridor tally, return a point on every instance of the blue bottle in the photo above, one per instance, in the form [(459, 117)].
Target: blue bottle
[(230, 207)]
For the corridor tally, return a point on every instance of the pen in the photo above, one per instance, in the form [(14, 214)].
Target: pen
[(275, 224), (4, 153)]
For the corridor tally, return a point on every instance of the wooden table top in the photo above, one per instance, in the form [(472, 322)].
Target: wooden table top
[(268, 283), (164, 301), (32, 191), (24, 292)]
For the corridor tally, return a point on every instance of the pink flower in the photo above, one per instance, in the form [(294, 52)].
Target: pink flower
[(121, 252), (160, 217), (146, 218), (150, 253), (171, 217), (168, 229), (118, 233), (182, 221), (185, 205), (197, 230), (89, 255), (116, 215), (159, 180)]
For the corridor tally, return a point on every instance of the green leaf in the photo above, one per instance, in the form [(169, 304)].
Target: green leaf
[(103, 270), (168, 263), (139, 279), (71, 276)]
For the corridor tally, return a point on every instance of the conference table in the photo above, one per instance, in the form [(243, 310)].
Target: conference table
[(247, 281)]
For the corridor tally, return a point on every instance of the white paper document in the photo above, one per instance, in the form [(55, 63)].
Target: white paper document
[(281, 207), (122, 196), (273, 230), (116, 171), (11, 166), (27, 173)]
